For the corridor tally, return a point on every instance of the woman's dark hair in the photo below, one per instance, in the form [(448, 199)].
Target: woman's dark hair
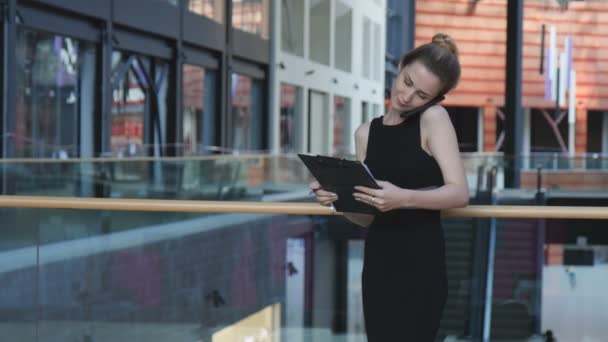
[(440, 56)]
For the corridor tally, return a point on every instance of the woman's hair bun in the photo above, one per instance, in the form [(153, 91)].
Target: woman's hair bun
[(445, 41)]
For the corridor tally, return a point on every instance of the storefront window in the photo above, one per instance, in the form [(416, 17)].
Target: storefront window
[(55, 95), (246, 113), (198, 126)]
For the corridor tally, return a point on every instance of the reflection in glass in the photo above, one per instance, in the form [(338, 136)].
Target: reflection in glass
[(292, 26), (139, 111), (319, 31), (128, 107), (55, 96), (341, 125), (343, 36), (246, 113), (251, 16), (291, 126), (213, 9), (198, 126)]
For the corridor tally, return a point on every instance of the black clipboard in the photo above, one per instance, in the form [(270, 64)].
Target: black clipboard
[(340, 176)]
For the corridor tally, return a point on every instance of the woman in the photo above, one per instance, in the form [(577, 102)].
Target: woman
[(417, 161)]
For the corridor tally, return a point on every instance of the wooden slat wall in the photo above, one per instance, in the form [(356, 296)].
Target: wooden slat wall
[(479, 29)]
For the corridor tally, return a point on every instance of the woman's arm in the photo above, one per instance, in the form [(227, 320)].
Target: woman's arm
[(438, 139)]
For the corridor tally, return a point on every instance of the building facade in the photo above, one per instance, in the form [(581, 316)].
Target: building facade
[(141, 77), (329, 62), (479, 28)]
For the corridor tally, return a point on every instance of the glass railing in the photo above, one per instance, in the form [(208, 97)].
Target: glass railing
[(129, 275), (253, 177), (231, 177)]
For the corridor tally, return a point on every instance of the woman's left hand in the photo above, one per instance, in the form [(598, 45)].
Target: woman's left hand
[(387, 198)]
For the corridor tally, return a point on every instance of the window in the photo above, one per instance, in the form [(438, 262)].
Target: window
[(213, 9), (319, 31), (139, 110), (292, 26), (367, 49), (251, 16), (377, 53), (199, 103), (291, 118), (365, 112), (376, 110), (341, 125), (246, 113), (343, 37), (55, 96)]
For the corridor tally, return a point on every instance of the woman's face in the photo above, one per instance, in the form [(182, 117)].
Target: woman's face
[(414, 87)]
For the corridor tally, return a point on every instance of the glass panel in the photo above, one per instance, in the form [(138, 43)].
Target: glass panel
[(130, 105), (367, 47), (139, 111), (251, 16), (319, 31), (199, 124), (213, 9), (291, 118), (55, 96), (376, 110), (215, 177), (341, 125), (292, 26), (365, 112), (343, 37), (246, 113), (378, 54), (18, 311), (574, 305)]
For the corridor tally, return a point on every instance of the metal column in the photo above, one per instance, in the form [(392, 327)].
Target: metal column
[(513, 110)]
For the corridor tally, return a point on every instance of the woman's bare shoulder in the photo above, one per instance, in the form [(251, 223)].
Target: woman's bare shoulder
[(435, 114), (362, 131), (361, 137)]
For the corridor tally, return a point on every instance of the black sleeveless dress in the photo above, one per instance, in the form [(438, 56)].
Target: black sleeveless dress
[(404, 276)]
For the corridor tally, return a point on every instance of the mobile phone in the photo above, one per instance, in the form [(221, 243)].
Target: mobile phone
[(423, 107)]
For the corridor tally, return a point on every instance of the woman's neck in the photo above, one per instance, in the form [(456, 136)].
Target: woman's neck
[(392, 117)]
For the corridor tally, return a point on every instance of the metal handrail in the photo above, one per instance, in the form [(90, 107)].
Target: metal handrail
[(478, 211)]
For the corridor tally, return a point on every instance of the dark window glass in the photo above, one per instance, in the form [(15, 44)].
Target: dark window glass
[(139, 108), (341, 125), (291, 118), (55, 96), (246, 113), (139, 111), (199, 101)]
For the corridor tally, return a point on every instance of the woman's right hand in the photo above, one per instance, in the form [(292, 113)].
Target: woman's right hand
[(325, 198)]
